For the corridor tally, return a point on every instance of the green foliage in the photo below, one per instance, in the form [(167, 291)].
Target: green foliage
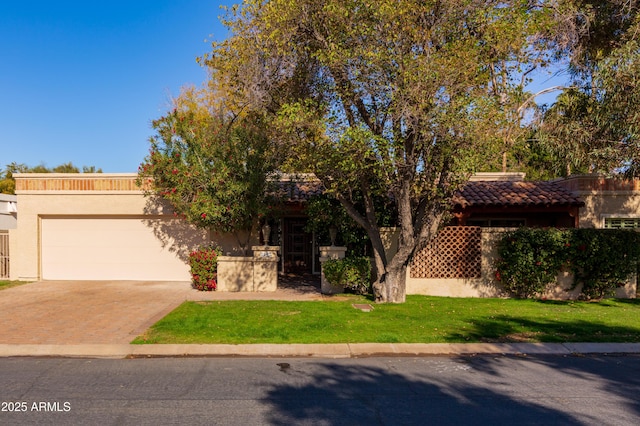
[(396, 99), (594, 125), (216, 170), (8, 182), (354, 273), (600, 259), (66, 168), (4, 284), (7, 185), (603, 260), (530, 259), (204, 267), (325, 211)]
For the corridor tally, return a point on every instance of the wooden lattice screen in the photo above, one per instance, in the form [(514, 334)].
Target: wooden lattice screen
[(455, 253)]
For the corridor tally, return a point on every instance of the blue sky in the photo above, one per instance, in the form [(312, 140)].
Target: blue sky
[(81, 80)]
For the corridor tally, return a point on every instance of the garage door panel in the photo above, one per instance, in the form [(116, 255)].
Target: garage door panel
[(116, 248)]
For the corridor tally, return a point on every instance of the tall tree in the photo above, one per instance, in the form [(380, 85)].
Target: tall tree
[(595, 126), (216, 168), (395, 98)]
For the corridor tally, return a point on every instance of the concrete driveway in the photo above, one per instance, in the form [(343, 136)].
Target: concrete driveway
[(74, 312), (103, 312)]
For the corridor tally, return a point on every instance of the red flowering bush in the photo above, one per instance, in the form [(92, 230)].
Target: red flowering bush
[(204, 267)]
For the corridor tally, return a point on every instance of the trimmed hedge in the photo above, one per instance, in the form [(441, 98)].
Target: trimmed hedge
[(600, 259)]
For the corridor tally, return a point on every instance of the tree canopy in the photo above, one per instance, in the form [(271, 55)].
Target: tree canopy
[(401, 100), (595, 126), (216, 168)]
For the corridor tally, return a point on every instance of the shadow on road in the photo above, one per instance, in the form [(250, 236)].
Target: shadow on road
[(366, 395)]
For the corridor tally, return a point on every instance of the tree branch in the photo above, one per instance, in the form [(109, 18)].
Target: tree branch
[(541, 92)]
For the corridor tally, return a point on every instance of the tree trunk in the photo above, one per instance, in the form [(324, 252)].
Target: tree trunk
[(391, 287)]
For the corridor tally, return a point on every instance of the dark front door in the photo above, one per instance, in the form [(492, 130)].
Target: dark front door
[(298, 247)]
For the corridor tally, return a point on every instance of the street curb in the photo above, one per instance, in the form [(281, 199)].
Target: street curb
[(340, 350)]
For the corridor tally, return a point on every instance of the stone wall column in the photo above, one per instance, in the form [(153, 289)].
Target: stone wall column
[(328, 253), (265, 268), (235, 273)]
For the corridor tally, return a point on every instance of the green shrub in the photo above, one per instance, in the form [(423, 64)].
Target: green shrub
[(204, 267), (530, 259), (600, 259), (603, 259), (353, 273)]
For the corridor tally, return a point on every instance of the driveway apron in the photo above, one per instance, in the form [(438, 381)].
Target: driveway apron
[(80, 312)]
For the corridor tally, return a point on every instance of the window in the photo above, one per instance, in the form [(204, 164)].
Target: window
[(621, 223)]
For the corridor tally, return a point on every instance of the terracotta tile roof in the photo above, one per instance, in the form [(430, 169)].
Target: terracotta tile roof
[(474, 194), (295, 191), (518, 193)]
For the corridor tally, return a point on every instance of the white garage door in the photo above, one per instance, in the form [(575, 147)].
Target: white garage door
[(116, 249)]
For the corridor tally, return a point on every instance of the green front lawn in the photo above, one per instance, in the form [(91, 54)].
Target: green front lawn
[(422, 319), (8, 284)]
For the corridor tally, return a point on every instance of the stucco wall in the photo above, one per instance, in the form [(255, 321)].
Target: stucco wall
[(257, 273), (8, 213), (604, 198), (599, 206), (488, 286), (42, 196), (485, 286)]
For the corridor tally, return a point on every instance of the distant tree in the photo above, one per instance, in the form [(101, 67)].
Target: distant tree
[(8, 184), (17, 168), (91, 169), (65, 168), (40, 168), (595, 126)]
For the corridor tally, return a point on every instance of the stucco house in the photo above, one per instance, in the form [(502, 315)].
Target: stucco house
[(102, 227), (8, 211), (460, 260), (609, 203), (507, 200), (96, 227)]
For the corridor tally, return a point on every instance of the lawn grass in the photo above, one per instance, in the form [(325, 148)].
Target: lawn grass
[(422, 319), (8, 284)]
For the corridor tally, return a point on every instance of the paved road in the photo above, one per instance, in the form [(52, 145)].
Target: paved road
[(478, 390)]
